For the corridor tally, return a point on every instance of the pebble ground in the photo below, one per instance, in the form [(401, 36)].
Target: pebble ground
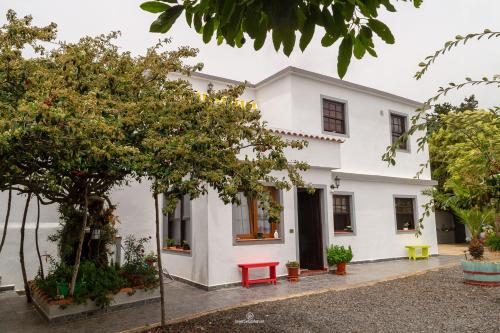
[(436, 301)]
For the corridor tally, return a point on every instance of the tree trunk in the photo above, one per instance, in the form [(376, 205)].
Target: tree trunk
[(7, 216), (21, 251), (80, 245), (36, 239), (160, 266)]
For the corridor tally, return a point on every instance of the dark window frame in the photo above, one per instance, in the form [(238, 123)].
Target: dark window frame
[(347, 215), (334, 116), (399, 124), (184, 218), (401, 217)]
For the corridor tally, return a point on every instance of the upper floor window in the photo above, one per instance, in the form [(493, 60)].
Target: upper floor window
[(334, 116), (398, 127), (251, 221), (405, 214)]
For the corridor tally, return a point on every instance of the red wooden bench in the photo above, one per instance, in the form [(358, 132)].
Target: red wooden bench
[(246, 282)]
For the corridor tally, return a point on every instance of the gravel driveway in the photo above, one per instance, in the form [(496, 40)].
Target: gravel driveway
[(433, 302)]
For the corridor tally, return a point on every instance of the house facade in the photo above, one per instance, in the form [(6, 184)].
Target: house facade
[(374, 209)]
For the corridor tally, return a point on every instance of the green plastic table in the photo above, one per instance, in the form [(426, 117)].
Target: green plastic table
[(412, 251)]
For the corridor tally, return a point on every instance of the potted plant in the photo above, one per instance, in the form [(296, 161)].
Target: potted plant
[(170, 243), (260, 235), (406, 226), (151, 259), (476, 270), (185, 246), (293, 270), (348, 228), (339, 256)]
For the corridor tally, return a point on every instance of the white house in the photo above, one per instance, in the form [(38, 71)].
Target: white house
[(348, 127)]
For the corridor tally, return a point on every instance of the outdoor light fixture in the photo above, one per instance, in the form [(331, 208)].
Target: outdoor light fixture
[(96, 234), (336, 183), (210, 87)]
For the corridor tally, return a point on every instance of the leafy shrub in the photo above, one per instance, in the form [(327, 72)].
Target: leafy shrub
[(337, 254), (170, 242), (493, 242), (135, 269), (93, 282), (292, 264), (98, 281)]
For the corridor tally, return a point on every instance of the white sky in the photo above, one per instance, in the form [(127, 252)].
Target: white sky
[(418, 32)]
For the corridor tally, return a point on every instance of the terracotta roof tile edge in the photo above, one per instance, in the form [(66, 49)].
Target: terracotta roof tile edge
[(305, 135)]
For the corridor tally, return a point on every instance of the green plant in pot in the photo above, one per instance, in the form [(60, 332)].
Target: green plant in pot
[(170, 243), (493, 242), (339, 255), (293, 270), (185, 246), (151, 259), (478, 271), (475, 219)]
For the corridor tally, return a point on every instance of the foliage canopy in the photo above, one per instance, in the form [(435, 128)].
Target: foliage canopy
[(353, 23)]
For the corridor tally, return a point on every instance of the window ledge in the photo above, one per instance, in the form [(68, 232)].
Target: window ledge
[(258, 239), (175, 250), (406, 231), (343, 232)]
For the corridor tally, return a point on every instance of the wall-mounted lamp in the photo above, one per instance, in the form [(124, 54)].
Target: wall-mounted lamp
[(210, 87), (336, 183)]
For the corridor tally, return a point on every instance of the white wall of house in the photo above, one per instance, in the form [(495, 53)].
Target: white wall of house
[(375, 236), (224, 256), (368, 133)]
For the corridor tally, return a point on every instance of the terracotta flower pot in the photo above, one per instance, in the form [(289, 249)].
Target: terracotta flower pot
[(340, 268), (293, 273)]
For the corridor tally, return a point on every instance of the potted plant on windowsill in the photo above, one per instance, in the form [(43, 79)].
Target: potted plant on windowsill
[(406, 226), (348, 228), (185, 246), (293, 270), (170, 243), (339, 256)]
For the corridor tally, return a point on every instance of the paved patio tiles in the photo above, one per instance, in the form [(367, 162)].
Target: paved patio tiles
[(184, 300)]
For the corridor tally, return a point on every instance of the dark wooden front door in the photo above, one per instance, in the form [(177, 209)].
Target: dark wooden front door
[(310, 230)]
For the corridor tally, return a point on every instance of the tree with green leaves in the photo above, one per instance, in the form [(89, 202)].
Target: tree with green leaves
[(353, 23), (463, 141), (95, 118), (434, 122), (71, 127), (15, 72), (469, 145), (192, 145), (418, 121)]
